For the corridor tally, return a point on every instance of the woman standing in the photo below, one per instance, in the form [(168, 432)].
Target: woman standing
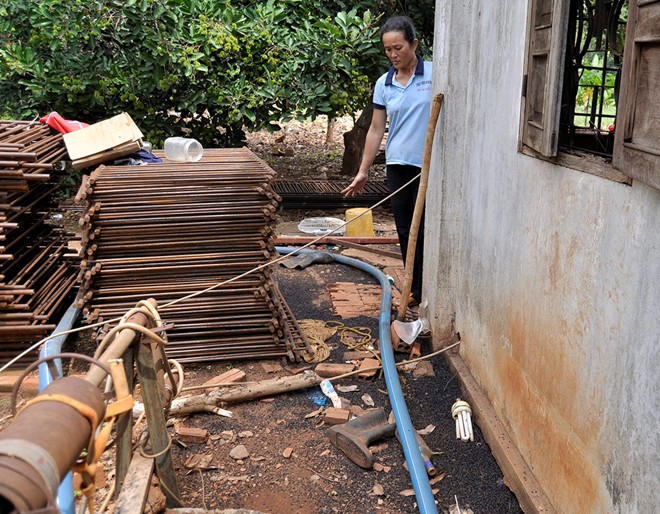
[(404, 95)]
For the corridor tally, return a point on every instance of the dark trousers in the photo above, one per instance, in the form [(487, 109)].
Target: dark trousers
[(403, 205)]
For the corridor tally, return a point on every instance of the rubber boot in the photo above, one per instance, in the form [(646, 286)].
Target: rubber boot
[(353, 438)]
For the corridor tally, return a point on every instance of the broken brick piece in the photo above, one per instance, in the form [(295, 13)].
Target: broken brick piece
[(271, 368), (358, 355), (228, 377), (334, 416), (329, 369), (356, 410), (423, 369), (366, 364), (193, 435)]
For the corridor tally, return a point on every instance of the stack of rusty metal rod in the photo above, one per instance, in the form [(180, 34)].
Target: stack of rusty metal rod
[(167, 230), (35, 277)]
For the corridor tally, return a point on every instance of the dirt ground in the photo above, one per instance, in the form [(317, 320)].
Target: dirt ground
[(313, 155), (290, 465), (316, 477)]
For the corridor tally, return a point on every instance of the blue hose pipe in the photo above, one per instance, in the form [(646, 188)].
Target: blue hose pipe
[(423, 493), (65, 497)]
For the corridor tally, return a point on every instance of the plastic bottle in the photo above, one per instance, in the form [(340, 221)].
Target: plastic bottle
[(425, 451), (183, 149), (329, 391)]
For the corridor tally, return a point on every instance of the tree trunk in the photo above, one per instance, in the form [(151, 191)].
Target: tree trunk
[(354, 142), (330, 132), (242, 393)]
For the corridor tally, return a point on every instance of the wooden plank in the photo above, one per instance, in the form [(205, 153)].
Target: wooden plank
[(340, 241), (135, 487), (101, 136), (517, 474), (113, 153), (160, 439), (125, 427), (8, 380), (303, 240), (228, 377)]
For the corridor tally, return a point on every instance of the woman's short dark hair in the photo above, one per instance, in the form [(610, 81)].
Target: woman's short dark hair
[(401, 24)]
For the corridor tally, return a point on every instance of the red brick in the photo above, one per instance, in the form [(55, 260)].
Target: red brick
[(329, 369), (366, 364), (193, 435), (334, 416), (228, 377)]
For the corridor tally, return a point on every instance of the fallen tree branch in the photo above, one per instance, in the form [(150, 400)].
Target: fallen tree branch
[(243, 393)]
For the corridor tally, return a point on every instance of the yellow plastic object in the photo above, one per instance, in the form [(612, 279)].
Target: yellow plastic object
[(362, 227)]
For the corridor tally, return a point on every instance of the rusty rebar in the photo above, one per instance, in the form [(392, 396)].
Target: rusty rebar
[(168, 230), (36, 277)]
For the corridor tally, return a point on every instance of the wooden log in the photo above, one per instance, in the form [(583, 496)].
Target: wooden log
[(244, 393)]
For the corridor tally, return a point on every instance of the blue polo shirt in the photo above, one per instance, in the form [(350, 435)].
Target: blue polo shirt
[(408, 109)]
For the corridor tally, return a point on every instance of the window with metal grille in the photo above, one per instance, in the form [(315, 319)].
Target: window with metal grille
[(594, 58), (573, 111)]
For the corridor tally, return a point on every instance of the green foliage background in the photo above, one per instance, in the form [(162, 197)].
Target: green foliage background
[(209, 68)]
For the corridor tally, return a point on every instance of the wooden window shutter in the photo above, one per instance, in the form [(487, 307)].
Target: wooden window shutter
[(637, 140), (544, 72)]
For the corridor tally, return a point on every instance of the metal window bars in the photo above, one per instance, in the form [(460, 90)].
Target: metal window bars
[(594, 56)]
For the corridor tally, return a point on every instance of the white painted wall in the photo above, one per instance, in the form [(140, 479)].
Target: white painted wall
[(550, 275)]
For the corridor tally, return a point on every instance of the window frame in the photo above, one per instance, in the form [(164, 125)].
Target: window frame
[(629, 161)]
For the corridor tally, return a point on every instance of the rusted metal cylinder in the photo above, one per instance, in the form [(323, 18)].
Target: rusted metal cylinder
[(43, 443)]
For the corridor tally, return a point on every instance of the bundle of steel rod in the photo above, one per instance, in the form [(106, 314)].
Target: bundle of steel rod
[(168, 230), (325, 194), (35, 277)]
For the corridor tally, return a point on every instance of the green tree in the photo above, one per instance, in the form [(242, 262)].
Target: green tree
[(210, 68)]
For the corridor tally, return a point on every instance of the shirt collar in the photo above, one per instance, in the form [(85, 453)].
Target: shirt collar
[(418, 71)]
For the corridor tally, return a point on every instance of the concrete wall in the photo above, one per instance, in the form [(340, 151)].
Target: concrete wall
[(549, 274)]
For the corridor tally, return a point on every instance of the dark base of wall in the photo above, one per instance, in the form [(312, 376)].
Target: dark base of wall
[(517, 474)]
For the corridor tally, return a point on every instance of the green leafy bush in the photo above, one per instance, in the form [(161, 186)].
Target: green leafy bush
[(209, 68)]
